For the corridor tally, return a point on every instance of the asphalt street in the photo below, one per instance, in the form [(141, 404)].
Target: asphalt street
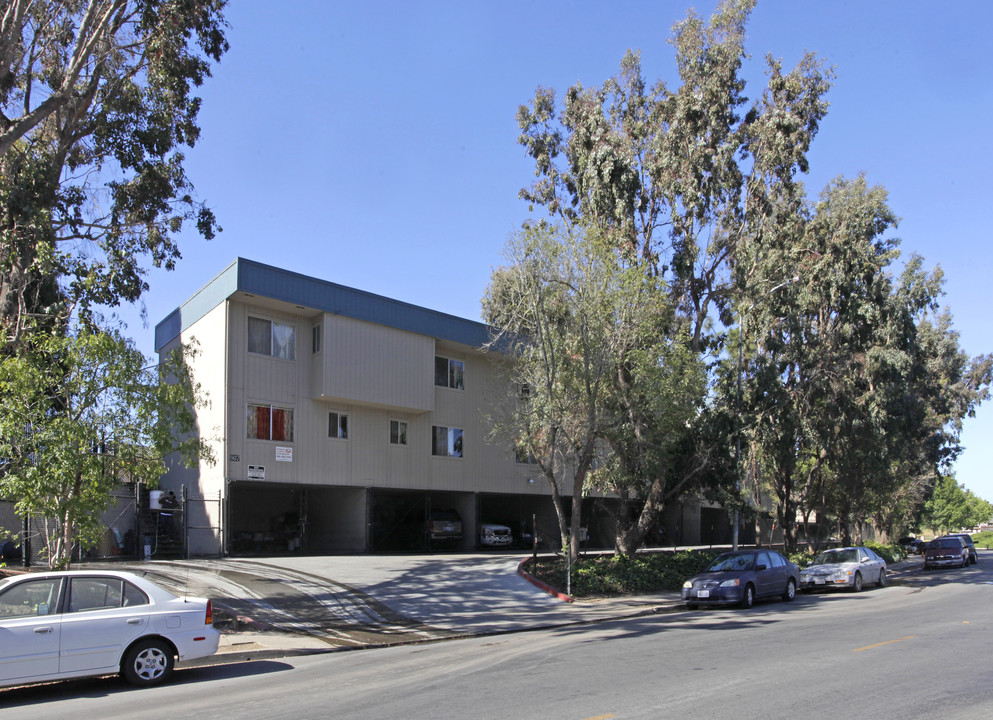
[(915, 649)]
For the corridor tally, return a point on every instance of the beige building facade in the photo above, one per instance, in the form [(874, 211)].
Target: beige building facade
[(341, 421)]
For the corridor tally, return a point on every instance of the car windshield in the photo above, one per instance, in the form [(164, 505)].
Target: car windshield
[(837, 556), (733, 562), (947, 543)]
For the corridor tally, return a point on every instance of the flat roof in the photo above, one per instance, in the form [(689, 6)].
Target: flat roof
[(274, 283)]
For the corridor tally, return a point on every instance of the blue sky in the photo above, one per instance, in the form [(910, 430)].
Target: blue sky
[(374, 144)]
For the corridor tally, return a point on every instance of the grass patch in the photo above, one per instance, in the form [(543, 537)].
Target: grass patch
[(983, 539)]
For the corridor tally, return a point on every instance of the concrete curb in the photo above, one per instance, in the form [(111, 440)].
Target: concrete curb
[(543, 586)]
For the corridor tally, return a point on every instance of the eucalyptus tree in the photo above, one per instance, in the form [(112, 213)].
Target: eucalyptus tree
[(943, 387), (677, 176), (702, 187), (682, 177), (96, 101), (548, 303), (84, 412), (814, 344), (855, 384), (613, 392), (655, 419)]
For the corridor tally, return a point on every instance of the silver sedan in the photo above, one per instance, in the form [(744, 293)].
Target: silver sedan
[(849, 568)]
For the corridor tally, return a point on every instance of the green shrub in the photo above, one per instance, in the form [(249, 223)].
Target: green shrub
[(664, 571), (606, 575), (891, 552)]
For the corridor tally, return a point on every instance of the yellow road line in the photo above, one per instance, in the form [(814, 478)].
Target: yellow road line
[(602, 717), (888, 642)]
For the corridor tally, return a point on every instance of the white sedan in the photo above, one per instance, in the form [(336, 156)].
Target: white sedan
[(60, 625), (848, 567), (492, 535)]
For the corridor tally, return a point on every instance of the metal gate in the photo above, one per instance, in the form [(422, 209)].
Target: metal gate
[(202, 521)]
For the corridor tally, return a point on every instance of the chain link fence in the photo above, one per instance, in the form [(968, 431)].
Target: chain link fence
[(135, 527)]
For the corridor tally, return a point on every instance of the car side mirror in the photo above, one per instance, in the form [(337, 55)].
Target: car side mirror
[(760, 567)]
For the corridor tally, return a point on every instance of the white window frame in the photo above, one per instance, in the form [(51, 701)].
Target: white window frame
[(341, 428), (284, 349), (401, 432), (455, 373), (454, 441)]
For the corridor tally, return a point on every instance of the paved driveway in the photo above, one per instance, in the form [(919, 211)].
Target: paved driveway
[(372, 599)]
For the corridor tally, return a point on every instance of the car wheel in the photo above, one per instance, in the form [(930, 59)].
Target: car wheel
[(790, 592), (881, 582), (748, 598), (857, 582), (148, 663)]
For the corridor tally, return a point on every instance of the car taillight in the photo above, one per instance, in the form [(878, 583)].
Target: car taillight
[(209, 616)]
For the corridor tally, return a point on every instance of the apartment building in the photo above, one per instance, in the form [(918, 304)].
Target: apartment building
[(341, 421)]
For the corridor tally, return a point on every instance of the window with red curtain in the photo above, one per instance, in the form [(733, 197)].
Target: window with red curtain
[(282, 424), (266, 422)]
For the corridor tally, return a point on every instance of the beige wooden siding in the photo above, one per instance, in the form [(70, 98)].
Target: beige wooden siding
[(372, 374), (208, 368), (262, 379), (375, 365)]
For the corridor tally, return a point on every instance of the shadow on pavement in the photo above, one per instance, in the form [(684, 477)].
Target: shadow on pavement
[(92, 688)]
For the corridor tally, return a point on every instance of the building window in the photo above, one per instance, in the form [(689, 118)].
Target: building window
[(449, 373), (268, 337), (446, 441), (398, 432), (338, 425), (315, 337), (267, 422)]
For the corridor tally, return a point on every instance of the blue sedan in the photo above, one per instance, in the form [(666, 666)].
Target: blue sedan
[(742, 577)]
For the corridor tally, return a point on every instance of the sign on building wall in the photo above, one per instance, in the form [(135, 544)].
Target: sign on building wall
[(284, 454), (256, 472)]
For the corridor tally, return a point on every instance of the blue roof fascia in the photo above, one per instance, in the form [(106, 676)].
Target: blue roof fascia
[(278, 284)]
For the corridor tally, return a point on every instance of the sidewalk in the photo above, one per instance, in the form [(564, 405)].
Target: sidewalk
[(247, 643)]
